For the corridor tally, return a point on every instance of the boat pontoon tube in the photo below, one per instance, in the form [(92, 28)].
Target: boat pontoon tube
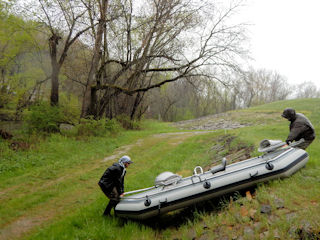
[(172, 192)]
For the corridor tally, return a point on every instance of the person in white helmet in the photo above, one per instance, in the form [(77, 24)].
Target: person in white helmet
[(112, 182)]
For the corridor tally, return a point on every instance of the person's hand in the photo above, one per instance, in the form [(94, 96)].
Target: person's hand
[(122, 195), (288, 142)]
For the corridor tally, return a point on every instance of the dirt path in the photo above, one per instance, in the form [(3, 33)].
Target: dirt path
[(64, 203)]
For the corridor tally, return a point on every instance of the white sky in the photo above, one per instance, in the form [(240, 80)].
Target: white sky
[(285, 36)]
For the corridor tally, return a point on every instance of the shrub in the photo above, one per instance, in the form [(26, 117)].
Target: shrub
[(92, 127), (113, 126), (127, 123), (5, 96), (69, 106), (43, 118)]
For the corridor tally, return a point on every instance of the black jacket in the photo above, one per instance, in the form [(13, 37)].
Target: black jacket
[(113, 177), (300, 127)]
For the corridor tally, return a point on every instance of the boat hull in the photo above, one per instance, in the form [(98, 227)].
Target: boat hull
[(205, 186)]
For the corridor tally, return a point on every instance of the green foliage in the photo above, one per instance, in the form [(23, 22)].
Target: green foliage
[(182, 114), (70, 108), (21, 62), (5, 96), (112, 125), (127, 123), (15, 39), (43, 118), (92, 127)]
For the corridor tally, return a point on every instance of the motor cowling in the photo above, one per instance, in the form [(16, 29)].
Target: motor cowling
[(270, 145), (166, 178)]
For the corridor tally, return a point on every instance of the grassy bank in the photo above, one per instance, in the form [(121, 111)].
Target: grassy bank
[(53, 187)]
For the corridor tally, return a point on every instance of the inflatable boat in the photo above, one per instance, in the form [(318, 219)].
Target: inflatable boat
[(171, 191)]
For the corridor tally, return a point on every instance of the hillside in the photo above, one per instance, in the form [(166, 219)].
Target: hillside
[(50, 191)]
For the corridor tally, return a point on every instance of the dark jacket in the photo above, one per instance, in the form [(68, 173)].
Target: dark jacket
[(300, 127), (113, 177)]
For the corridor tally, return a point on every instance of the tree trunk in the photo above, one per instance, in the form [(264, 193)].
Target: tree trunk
[(54, 98), (86, 103), (53, 43), (93, 102), (136, 104)]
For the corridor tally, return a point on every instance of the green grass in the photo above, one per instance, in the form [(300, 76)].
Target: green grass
[(31, 178), (58, 178), (150, 161)]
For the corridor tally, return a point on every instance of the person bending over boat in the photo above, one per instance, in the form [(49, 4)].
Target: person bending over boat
[(112, 182), (300, 127)]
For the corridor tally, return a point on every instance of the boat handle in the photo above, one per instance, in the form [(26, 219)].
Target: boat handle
[(269, 166), (147, 202), (195, 176), (160, 202), (253, 175), (195, 172), (207, 185)]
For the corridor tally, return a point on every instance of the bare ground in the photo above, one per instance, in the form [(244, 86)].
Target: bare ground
[(229, 120)]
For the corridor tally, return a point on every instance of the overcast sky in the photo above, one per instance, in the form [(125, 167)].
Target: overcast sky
[(285, 36)]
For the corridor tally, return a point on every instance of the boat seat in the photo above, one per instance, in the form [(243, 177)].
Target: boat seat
[(220, 167)]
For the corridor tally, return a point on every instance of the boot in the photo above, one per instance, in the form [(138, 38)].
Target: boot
[(107, 211), (111, 204)]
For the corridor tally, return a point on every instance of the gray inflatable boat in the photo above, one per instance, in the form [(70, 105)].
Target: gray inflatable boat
[(172, 192)]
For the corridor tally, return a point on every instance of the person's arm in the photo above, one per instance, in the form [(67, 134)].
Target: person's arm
[(119, 186), (296, 130), (122, 185), (116, 177)]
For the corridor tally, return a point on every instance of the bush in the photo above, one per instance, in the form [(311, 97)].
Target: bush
[(5, 96), (69, 106), (43, 118), (92, 127), (127, 123), (113, 126)]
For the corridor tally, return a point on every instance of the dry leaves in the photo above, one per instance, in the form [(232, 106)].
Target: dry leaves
[(248, 196)]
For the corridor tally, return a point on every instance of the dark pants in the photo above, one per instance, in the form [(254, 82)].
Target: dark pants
[(114, 199)]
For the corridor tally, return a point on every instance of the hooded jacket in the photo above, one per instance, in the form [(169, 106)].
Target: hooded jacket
[(300, 127), (113, 177)]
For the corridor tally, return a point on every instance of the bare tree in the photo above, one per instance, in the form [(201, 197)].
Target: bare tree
[(87, 99), (162, 42), (261, 86), (192, 99), (307, 90), (64, 20)]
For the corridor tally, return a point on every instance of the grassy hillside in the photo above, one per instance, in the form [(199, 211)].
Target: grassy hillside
[(51, 191)]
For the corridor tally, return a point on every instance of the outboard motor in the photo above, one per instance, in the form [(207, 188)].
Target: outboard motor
[(167, 178)]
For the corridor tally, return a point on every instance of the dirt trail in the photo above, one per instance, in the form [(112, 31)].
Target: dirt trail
[(44, 213), (177, 137)]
